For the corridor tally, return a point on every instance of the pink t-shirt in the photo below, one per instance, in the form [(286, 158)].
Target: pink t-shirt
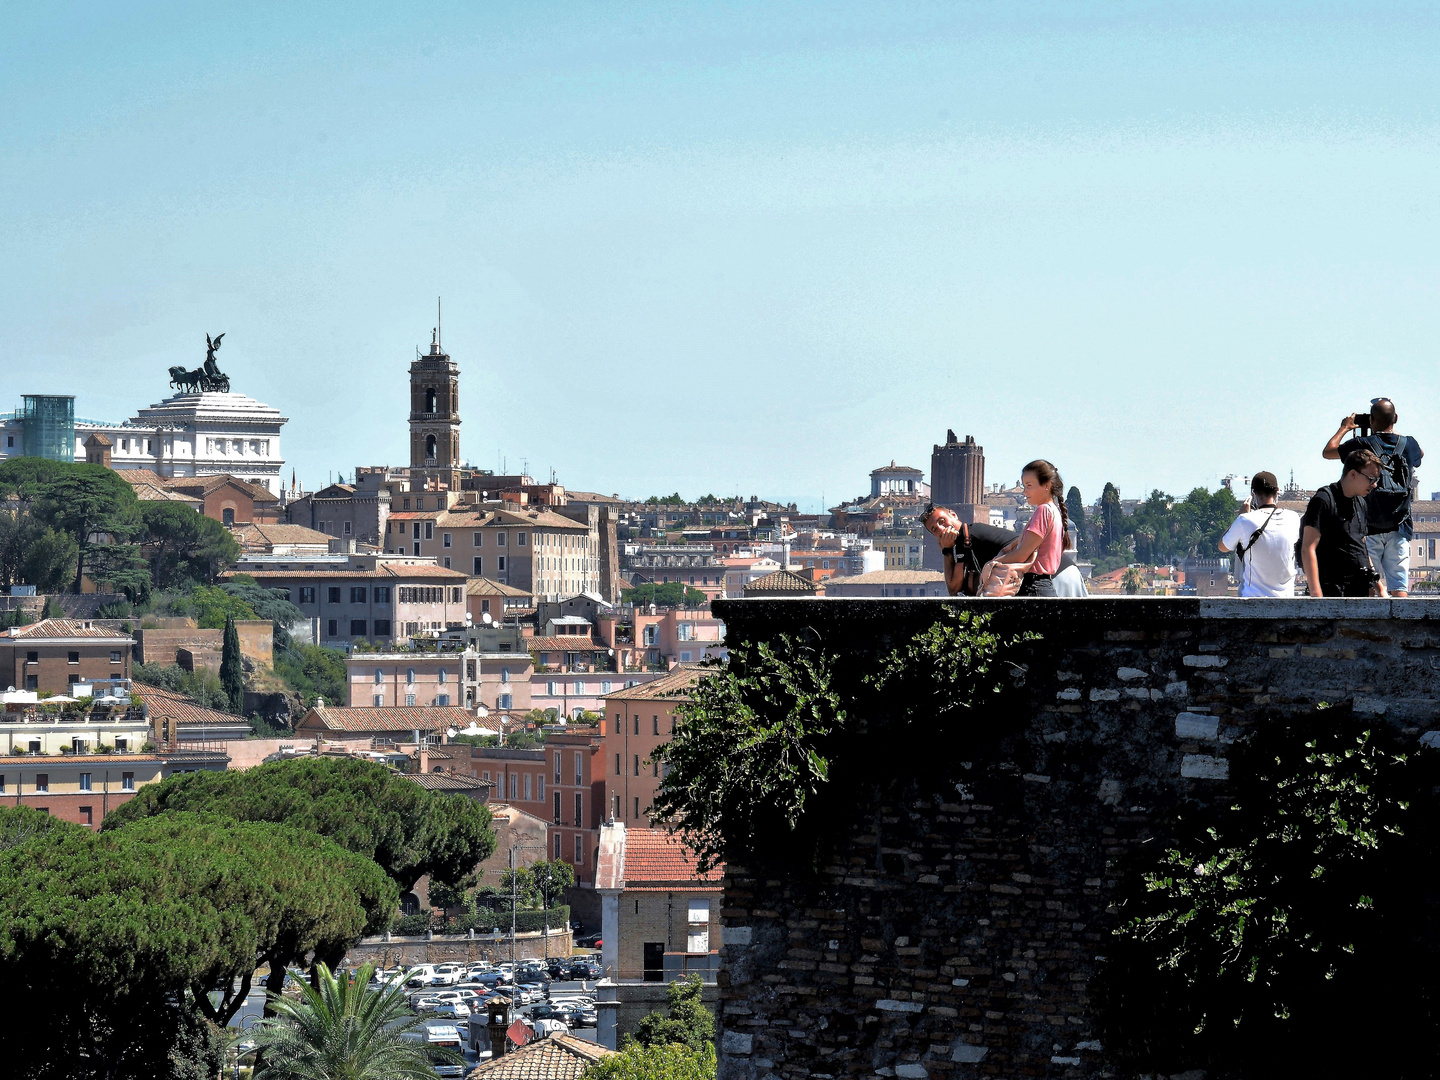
[(1046, 522)]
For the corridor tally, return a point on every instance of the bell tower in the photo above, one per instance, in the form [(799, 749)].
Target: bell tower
[(435, 418)]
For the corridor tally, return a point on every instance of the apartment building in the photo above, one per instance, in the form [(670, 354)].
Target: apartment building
[(378, 598), (635, 722), (499, 681), (81, 788), (575, 759), (540, 551), (519, 777), (54, 654)]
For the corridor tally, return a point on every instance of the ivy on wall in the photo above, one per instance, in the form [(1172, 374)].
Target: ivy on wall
[(771, 753), (1304, 910)]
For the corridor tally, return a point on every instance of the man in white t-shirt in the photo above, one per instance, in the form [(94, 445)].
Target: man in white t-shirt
[(1264, 538)]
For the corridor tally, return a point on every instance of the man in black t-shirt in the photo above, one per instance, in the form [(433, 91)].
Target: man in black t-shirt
[(1332, 539)]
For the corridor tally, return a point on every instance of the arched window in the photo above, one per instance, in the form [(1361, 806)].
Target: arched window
[(430, 446), (430, 400), (227, 516)]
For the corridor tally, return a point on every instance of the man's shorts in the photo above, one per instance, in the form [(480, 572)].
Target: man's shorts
[(1390, 552)]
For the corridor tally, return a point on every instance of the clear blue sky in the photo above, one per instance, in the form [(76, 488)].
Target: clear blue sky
[(757, 248)]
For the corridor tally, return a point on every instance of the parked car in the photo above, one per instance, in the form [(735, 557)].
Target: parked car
[(590, 941), (550, 1026), (457, 1009), (585, 969)]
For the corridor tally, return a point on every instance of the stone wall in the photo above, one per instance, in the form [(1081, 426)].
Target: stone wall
[(412, 951), (959, 936)]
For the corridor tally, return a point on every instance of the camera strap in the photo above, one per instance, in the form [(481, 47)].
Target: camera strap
[(1242, 548)]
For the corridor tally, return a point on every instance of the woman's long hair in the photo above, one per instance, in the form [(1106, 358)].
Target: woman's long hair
[(1048, 476)]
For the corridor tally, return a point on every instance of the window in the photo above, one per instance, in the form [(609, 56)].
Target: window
[(617, 764), (417, 547), (415, 529), (557, 766), (637, 723), (527, 788), (409, 699), (637, 807), (116, 657), (500, 563), (514, 785), (477, 565), (637, 764), (84, 781), (32, 657), (519, 539), (506, 701), (550, 688), (579, 811), (441, 676), (379, 676), (410, 676), (357, 627), (42, 781), (382, 627), (379, 701), (444, 539), (2, 786), (73, 657), (579, 768), (357, 594), (346, 529), (540, 787), (557, 816), (442, 699), (504, 674), (655, 723), (332, 628), (87, 816), (579, 849), (500, 539), (697, 940), (429, 530), (557, 835), (477, 539), (121, 746), (454, 589), (579, 687), (332, 594), (307, 594)]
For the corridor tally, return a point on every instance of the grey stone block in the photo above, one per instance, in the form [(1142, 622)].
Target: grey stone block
[(1204, 767), (736, 1042), (1130, 673), (891, 1005), (1195, 726), (967, 1052), (916, 1071), (736, 935), (1431, 739), (1196, 661)]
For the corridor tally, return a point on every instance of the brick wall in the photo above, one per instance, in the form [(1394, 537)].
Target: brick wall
[(958, 936)]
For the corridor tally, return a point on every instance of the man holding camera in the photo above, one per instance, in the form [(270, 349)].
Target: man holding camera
[(1332, 546), (1263, 538), (1387, 506)]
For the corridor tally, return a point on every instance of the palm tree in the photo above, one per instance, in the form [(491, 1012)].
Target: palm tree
[(340, 1030), (1133, 580)]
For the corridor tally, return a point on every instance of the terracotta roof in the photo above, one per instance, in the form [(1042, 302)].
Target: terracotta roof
[(180, 708), (890, 577), (64, 628), (654, 856), (395, 718), (560, 1057), (481, 586), (436, 781), (207, 484), (568, 643), (782, 581), (672, 687), (151, 488), (264, 534), (70, 759)]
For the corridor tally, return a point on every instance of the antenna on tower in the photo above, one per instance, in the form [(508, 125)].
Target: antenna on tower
[(438, 339)]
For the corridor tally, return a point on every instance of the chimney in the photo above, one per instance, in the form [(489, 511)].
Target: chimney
[(499, 1024), (424, 754)]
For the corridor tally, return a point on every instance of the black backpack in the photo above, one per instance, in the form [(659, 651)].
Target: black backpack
[(1388, 506)]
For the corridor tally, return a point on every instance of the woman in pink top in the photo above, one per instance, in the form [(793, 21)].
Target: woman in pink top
[(1048, 534)]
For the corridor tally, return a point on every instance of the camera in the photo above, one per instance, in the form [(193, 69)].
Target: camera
[(1362, 421)]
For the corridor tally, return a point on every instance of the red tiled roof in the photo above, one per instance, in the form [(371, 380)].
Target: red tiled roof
[(390, 573), (481, 586), (782, 581), (64, 628), (262, 533), (672, 687), (180, 708), (435, 781), (395, 718), (653, 856), (559, 1057), (566, 643)]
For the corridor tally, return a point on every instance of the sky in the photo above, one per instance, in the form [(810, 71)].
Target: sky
[(754, 249)]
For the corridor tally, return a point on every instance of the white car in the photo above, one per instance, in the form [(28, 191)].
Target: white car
[(547, 1027), (458, 1009)]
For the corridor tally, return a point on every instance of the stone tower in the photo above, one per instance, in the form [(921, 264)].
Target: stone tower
[(957, 473), (435, 418)]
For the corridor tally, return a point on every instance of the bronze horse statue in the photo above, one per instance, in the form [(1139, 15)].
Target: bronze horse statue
[(209, 377)]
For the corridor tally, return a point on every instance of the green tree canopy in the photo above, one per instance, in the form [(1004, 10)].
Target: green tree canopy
[(1079, 529), (32, 553), (669, 594), (118, 938), (550, 879), (688, 1022), (232, 672), (668, 1061), (93, 506), (182, 546), (362, 806)]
